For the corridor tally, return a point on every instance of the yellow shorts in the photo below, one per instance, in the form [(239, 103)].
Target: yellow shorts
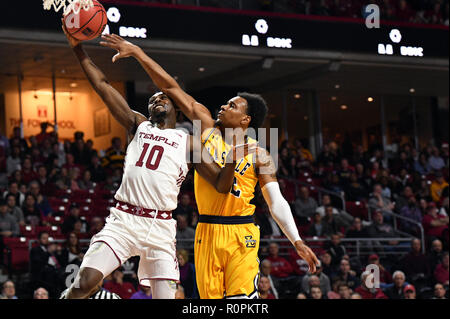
[(226, 260)]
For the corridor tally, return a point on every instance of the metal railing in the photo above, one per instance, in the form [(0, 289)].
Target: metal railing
[(412, 221)]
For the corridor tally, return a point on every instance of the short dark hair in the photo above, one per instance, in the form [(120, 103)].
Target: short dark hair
[(256, 108)]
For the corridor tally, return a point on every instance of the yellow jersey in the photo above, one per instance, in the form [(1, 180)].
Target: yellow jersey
[(237, 201)]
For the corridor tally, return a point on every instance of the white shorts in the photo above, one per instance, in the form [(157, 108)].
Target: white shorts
[(153, 240)]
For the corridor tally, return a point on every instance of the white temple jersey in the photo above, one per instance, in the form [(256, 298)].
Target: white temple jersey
[(155, 167)]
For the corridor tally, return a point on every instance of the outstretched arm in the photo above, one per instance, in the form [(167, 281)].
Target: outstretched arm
[(279, 207), (166, 83), (222, 178), (115, 102)]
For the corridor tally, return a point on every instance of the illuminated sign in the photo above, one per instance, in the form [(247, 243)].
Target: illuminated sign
[(262, 27), (114, 16), (396, 37), (216, 27)]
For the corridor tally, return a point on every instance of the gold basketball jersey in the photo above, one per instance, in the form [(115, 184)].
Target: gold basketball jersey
[(237, 201)]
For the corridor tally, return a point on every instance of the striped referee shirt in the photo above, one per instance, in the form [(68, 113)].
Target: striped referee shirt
[(101, 294)]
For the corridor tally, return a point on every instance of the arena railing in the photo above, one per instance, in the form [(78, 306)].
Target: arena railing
[(396, 216)]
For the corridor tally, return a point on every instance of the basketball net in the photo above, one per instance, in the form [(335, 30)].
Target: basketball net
[(68, 5)]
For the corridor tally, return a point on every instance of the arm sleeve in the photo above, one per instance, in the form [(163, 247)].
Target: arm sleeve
[(281, 211)]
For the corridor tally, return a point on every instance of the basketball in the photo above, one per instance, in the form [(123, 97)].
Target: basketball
[(86, 24)]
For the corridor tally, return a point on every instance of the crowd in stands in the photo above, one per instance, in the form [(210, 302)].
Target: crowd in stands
[(58, 194), (414, 11)]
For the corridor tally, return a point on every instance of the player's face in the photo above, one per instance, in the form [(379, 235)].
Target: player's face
[(234, 113), (159, 106)]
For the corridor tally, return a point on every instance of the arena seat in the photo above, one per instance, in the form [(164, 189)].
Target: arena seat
[(20, 256), (357, 209), (28, 231)]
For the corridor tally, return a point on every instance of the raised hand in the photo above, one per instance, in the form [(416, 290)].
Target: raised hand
[(124, 48), (72, 41)]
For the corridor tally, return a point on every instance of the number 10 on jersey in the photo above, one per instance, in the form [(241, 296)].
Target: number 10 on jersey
[(153, 159)]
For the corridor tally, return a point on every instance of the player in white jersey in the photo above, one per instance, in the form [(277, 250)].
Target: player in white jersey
[(141, 223)]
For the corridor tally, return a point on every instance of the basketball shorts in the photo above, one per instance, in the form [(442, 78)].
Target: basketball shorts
[(153, 240), (226, 260)]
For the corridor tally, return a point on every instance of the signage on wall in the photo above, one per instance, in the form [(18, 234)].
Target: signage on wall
[(396, 37)]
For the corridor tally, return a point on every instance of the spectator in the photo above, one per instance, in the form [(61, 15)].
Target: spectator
[(437, 187), (71, 253), (9, 226), (335, 249), (345, 172), (379, 229), (13, 161), (74, 174), (30, 210), (441, 272), (69, 221), (421, 165), (378, 202), (435, 226), (45, 268), (316, 293), (319, 278), (334, 293), (439, 291), (435, 161), (143, 293), (344, 291), (187, 275), (86, 182), (43, 134), (13, 189), (40, 293), (118, 286), (385, 276), (281, 268), (28, 172), (396, 291), (185, 233), (357, 230), (42, 203), (355, 190), (356, 295), (18, 140), (8, 290), (435, 254), (97, 224), (341, 216), (264, 288), (14, 210), (316, 229), (403, 200), (305, 206), (326, 265), (97, 171), (184, 208), (114, 156), (410, 292), (415, 263), (346, 275), (266, 269), (369, 293), (411, 211), (329, 225)]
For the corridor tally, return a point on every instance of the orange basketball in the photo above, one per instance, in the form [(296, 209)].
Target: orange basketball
[(87, 24)]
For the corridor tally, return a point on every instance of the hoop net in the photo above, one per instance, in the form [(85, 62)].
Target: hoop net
[(68, 5)]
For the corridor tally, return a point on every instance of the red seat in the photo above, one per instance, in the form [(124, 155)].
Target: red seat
[(20, 255), (28, 231), (357, 209), (51, 230)]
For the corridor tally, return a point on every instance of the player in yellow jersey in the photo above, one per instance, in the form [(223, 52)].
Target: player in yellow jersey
[(226, 240)]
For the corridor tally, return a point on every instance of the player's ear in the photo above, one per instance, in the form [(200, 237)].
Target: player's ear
[(246, 120)]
